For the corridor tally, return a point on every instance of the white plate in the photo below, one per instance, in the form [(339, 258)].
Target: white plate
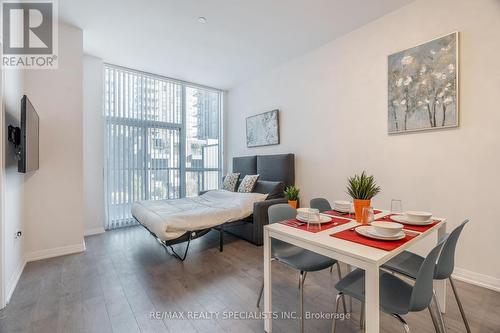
[(369, 231), (323, 219), (404, 219)]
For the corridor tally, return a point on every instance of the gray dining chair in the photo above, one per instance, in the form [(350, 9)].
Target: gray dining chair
[(296, 257), (320, 203), (324, 205), (408, 264), (397, 297)]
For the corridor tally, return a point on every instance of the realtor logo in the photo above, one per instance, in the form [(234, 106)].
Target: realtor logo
[(29, 34)]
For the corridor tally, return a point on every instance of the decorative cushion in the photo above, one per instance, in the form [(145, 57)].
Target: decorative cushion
[(230, 181), (248, 183), (274, 190)]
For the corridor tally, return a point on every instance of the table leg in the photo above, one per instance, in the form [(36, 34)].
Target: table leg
[(372, 308), (440, 285), (267, 283)]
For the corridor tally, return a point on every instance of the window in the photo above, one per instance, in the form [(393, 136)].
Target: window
[(202, 140), (163, 140)]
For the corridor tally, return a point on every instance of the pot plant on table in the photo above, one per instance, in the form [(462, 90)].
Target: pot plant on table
[(292, 194), (362, 188)]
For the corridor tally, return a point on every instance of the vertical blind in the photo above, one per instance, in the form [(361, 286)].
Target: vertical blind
[(162, 140)]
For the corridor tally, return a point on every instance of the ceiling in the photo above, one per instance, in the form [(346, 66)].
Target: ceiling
[(240, 39)]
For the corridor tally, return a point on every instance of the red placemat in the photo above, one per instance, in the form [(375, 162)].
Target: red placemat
[(314, 227), (418, 228), (346, 215), (353, 236)]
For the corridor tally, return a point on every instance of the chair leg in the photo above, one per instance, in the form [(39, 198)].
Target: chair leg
[(300, 277), (339, 272), (331, 268), (403, 322), (439, 313), (350, 304), (301, 292), (334, 322), (467, 327), (260, 294), (434, 320)]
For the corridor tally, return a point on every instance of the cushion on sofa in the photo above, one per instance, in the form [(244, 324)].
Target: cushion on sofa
[(231, 181), (273, 189), (248, 183)]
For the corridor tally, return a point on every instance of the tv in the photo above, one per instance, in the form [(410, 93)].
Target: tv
[(28, 147)]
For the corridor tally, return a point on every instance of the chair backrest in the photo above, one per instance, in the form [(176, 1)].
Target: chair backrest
[(446, 262), (278, 213), (421, 294), (320, 203)]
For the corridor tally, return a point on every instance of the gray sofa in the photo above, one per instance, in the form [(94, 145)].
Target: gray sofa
[(276, 172)]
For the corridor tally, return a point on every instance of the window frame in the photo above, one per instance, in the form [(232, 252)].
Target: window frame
[(145, 124)]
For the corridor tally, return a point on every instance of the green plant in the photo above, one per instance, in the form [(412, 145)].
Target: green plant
[(292, 193), (362, 187)]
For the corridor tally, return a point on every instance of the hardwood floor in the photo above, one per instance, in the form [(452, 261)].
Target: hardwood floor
[(125, 275)]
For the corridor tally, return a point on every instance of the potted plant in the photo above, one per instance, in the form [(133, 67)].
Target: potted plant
[(292, 194), (362, 188)]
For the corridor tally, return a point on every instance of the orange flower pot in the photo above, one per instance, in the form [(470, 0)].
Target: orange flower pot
[(293, 203), (358, 208)]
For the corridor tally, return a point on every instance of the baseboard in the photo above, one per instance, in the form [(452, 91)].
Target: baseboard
[(94, 231), (477, 279), (11, 285), (55, 252)]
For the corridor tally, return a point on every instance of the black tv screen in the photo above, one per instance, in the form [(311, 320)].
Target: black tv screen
[(29, 137)]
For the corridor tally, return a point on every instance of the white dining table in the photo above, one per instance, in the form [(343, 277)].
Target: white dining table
[(353, 254)]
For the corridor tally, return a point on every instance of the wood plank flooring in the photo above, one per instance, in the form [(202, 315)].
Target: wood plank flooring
[(125, 275)]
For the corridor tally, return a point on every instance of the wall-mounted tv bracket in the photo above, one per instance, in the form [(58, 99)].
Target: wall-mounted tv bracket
[(15, 138)]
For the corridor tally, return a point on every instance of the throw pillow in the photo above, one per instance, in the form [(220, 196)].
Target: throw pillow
[(248, 183), (230, 181)]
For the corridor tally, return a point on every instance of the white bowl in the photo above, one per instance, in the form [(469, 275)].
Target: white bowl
[(342, 206), (307, 212), (414, 216), (387, 228)]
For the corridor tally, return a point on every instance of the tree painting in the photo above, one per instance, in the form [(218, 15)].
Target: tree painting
[(422, 86), (263, 129)]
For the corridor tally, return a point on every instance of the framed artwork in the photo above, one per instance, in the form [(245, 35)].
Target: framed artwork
[(423, 86), (263, 129)]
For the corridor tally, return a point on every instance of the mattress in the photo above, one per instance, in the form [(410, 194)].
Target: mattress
[(170, 219)]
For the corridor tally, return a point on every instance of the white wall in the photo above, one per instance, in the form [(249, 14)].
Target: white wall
[(54, 193), (333, 104), (13, 189), (93, 145)]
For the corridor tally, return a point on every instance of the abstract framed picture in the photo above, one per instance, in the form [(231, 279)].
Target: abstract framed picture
[(423, 86), (263, 129)]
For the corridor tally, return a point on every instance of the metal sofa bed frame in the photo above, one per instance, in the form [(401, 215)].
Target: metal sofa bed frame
[(276, 172)]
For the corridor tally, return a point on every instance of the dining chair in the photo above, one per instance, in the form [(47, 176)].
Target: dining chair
[(296, 257), (320, 203), (397, 297), (324, 205), (408, 264)]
